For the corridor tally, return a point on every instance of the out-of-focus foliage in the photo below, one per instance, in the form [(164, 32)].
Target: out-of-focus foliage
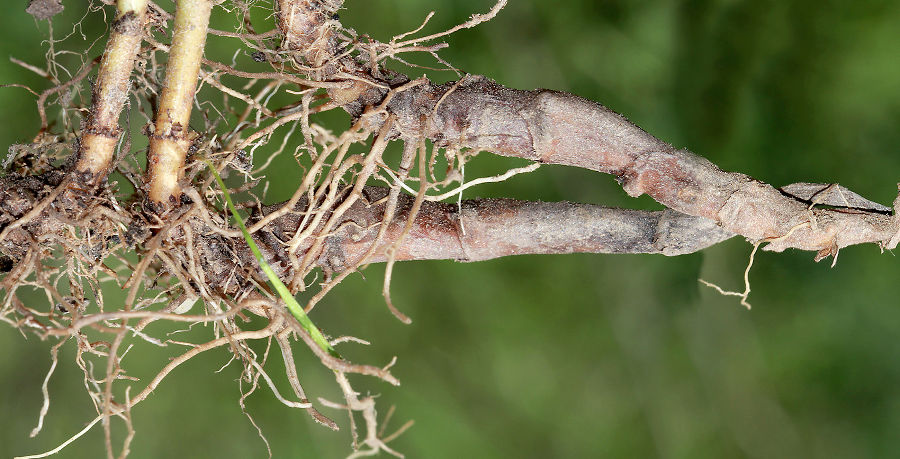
[(581, 355)]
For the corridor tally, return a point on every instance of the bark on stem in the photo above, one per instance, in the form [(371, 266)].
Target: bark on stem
[(502, 227), (559, 128), (101, 129), (170, 140), (497, 228)]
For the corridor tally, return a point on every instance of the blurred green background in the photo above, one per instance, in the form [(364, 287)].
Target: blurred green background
[(577, 355)]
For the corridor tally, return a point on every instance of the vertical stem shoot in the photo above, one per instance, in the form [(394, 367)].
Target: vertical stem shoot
[(170, 140), (101, 129)]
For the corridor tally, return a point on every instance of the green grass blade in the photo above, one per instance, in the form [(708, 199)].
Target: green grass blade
[(285, 294)]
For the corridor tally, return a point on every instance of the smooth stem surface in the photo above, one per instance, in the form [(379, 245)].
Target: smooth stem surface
[(101, 130), (170, 140)]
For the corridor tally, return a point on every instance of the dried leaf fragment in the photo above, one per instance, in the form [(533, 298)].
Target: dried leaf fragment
[(831, 194)]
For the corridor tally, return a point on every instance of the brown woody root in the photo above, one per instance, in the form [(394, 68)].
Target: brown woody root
[(560, 128), (482, 229)]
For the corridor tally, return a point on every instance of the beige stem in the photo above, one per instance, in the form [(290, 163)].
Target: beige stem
[(170, 140), (101, 130)]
